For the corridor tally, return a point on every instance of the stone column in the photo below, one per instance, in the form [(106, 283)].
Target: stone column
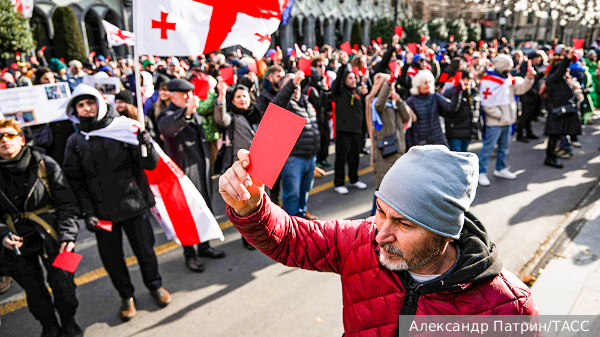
[(287, 35), (366, 33), (329, 31), (309, 31), (348, 29)]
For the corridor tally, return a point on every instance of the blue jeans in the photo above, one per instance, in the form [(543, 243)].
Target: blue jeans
[(297, 178), (459, 145), (494, 135)]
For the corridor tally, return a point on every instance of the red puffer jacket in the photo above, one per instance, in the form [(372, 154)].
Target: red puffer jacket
[(374, 297)]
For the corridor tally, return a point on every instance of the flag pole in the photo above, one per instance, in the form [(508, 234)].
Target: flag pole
[(138, 89)]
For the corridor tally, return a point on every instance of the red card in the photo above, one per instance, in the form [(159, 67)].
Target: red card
[(398, 30), (43, 48), (62, 60), (201, 88), (239, 54), (67, 261), (304, 65), (578, 43), (18, 54), (14, 66), (346, 47), (444, 77), (355, 47), (34, 60), (2, 85), (105, 224), (379, 39), (413, 48), (273, 142), (316, 48), (395, 68), (529, 65), (356, 72), (213, 56), (227, 75), (423, 39), (451, 38), (457, 78), (252, 67)]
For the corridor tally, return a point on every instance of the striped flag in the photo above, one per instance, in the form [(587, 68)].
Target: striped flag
[(180, 209)]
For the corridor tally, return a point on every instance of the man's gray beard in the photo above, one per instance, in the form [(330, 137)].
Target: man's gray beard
[(420, 259), (400, 265)]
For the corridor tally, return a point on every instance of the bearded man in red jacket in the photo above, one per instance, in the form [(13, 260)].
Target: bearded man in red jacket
[(423, 253)]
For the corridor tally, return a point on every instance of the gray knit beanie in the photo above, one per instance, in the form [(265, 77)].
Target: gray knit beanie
[(502, 63), (432, 187)]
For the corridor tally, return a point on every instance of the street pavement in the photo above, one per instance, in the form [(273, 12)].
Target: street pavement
[(248, 294)]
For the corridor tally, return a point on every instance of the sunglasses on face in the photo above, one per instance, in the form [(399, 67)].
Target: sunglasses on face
[(9, 136)]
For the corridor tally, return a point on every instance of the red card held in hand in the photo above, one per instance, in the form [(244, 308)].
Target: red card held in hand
[(227, 75), (398, 30), (252, 67), (67, 261), (578, 43), (105, 224), (413, 48), (529, 65), (201, 88), (346, 47), (379, 39), (304, 66), (273, 142), (457, 78)]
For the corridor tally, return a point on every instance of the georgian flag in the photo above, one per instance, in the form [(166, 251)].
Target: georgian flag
[(412, 72), (180, 208), (495, 90), (194, 27), (116, 36), (24, 6)]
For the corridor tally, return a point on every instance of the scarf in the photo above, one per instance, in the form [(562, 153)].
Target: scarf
[(377, 122), (18, 164), (251, 114)]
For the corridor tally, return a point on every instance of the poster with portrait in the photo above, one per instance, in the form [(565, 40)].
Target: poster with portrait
[(37, 104), (108, 86)]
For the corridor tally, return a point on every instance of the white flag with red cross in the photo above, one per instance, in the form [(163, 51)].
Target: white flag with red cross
[(116, 36), (194, 27), (24, 6), (496, 90)]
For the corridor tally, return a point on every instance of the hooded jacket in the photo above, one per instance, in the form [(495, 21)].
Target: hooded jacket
[(349, 103), (23, 190), (374, 296), (106, 175)]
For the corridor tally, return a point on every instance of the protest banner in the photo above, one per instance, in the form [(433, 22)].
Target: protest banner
[(37, 104), (108, 86)]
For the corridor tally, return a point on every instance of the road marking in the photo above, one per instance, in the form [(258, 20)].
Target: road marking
[(93, 275)]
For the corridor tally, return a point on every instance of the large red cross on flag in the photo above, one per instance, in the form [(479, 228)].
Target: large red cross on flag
[(24, 6), (193, 27), (116, 36)]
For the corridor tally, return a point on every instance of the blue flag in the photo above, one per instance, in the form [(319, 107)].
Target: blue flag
[(285, 17)]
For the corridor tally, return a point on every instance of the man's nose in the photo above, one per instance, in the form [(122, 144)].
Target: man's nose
[(384, 234)]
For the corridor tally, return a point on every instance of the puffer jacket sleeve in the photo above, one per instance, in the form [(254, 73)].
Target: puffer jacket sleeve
[(296, 242), (446, 105), (73, 171), (64, 202)]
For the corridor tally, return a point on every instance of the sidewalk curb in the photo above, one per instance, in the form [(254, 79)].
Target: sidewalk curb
[(562, 236)]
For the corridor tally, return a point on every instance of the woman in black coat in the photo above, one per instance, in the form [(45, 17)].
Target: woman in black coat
[(39, 217), (108, 179), (560, 94)]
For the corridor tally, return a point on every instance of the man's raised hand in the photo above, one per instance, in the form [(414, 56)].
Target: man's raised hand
[(238, 189)]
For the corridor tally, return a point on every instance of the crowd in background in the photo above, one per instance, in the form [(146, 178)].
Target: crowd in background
[(396, 95)]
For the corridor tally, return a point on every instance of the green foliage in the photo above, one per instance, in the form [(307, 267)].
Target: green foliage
[(413, 30), (458, 29), (15, 34), (474, 32), (356, 36), (68, 41), (383, 28), (438, 30)]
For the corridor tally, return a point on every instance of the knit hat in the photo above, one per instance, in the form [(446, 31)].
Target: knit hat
[(502, 63), (125, 96), (433, 187), (559, 48), (56, 65), (100, 58), (174, 61)]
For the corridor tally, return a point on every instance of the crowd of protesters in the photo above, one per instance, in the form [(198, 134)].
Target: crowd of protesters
[(399, 96)]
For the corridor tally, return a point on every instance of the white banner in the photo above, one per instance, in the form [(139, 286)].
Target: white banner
[(108, 86), (37, 104)]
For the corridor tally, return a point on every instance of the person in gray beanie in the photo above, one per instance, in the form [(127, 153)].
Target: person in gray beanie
[(423, 253)]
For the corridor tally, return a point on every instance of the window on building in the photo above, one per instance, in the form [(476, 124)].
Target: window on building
[(529, 18)]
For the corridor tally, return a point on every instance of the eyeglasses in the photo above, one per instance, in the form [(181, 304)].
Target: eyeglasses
[(9, 136)]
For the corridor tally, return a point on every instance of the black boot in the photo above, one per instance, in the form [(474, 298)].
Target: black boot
[(553, 163), (51, 331), (247, 245), (71, 329)]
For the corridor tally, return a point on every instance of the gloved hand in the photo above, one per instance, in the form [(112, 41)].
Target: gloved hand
[(144, 137), (90, 223)]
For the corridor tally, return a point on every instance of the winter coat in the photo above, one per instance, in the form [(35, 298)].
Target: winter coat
[(186, 144), (349, 104), (464, 121), (308, 143), (427, 128), (504, 115), (375, 296), (393, 119), (266, 96), (243, 131), (532, 95), (29, 191), (107, 176), (560, 92)]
